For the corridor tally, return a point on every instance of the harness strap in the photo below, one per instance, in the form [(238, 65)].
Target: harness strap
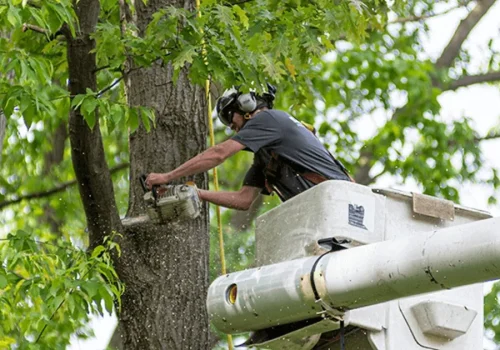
[(315, 178), (272, 172), (273, 169)]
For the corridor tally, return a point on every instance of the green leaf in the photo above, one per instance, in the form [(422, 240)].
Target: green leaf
[(133, 119), (97, 251), (91, 287), (108, 299), (77, 100), (8, 108), (185, 56), (224, 15), (13, 16), (242, 15), (3, 281), (145, 119), (88, 110)]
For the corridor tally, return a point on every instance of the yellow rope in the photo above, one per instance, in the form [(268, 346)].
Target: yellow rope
[(216, 178)]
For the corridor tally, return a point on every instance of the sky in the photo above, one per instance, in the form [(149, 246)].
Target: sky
[(479, 102)]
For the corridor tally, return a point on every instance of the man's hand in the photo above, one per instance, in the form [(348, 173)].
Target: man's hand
[(156, 179)]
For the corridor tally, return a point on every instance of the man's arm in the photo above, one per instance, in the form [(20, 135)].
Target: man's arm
[(241, 200), (204, 161)]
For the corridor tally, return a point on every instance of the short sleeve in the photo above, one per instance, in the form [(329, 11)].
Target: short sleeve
[(255, 178), (260, 131)]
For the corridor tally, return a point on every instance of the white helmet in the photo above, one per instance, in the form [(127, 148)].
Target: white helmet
[(234, 101)]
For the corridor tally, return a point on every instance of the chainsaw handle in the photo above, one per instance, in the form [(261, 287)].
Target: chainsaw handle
[(142, 179), (154, 188)]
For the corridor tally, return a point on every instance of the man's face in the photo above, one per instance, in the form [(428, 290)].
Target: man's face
[(237, 122)]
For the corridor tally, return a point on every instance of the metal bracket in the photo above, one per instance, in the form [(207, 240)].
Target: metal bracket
[(330, 312), (434, 207)]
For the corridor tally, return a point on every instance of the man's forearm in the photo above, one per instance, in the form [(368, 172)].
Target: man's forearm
[(200, 163), (226, 199), (205, 161)]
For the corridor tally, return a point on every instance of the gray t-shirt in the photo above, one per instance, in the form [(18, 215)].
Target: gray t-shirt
[(276, 131)]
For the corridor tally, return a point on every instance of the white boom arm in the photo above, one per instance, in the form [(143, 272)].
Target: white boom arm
[(282, 293)]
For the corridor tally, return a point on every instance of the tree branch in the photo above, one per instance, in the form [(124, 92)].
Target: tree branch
[(362, 175), (489, 136), (427, 16), (463, 30), (472, 79), (34, 28), (492, 135), (113, 84), (57, 189)]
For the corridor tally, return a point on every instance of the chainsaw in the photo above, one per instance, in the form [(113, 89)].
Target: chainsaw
[(165, 203)]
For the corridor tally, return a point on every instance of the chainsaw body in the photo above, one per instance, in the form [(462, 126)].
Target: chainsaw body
[(172, 202)]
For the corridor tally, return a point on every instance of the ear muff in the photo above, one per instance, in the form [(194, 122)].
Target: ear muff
[(269, 96), (247, 103)]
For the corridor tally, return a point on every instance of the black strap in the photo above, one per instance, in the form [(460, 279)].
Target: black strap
[(273, 168), (342, 338), (311, 277), (334, 245), (271, 172)]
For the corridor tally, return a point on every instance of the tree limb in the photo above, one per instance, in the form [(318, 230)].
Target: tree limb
[(472, 79), (492, 135), (426, 16), (27, 26), (463, 30), (489, 136), (365, 161), (57, 189), (107, 88)]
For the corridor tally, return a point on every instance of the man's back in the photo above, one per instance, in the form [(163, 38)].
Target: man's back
[(275, 132)]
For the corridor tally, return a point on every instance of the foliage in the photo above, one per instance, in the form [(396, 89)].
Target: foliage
[(492, 314), (48, 290)]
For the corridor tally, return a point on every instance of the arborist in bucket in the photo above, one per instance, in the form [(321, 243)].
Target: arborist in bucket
[(288, 160)]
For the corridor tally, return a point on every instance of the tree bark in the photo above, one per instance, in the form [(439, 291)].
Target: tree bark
[(166, 276)]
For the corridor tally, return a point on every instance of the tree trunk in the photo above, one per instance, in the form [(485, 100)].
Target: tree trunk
[(167, 276), (87, 150)]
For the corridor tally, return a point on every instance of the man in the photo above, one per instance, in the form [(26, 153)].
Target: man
[(288, 160)]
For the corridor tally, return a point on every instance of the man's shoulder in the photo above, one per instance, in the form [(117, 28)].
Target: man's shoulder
[(271, 116), (274, 113)]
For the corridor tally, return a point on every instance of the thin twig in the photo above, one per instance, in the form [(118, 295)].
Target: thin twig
[(427, 16), (117, 80), (100, 68), (27, 26), (54, 190)]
